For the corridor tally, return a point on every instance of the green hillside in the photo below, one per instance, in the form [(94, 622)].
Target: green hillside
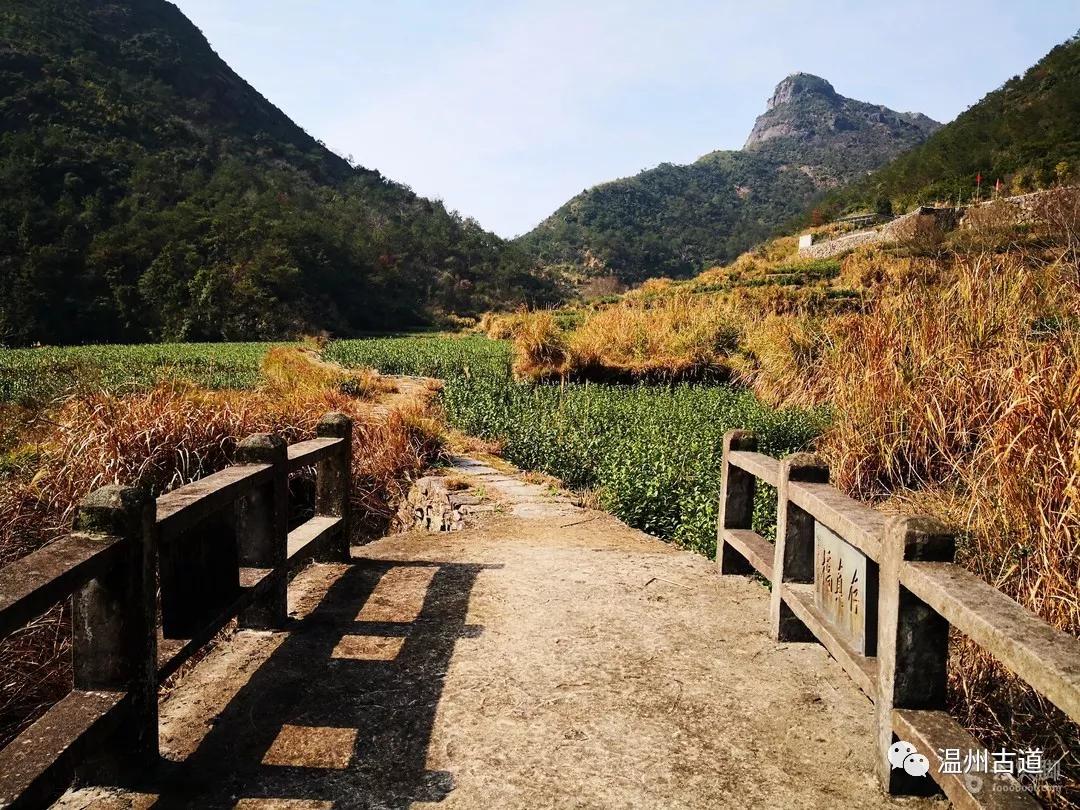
[(676, 220), (672, 220), (151, 193), (1026, 133)]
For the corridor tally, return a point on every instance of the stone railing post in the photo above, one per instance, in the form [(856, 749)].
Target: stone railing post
[(114, 629), (737, 488), (262, 529), (333, 483), (913, 641), (793, 559)]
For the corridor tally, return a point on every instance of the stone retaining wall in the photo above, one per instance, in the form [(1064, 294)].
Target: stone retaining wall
[(833, 247), (1021, 209)]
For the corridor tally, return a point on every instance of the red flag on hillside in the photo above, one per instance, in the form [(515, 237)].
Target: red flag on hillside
[(978, 179)]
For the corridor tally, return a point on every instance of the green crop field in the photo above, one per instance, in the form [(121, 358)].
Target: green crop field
[(38, 375), (653, 452), (424, 355)]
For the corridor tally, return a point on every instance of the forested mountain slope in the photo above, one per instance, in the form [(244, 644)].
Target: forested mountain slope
[(675, 220), (1026, 133), (151, 193)]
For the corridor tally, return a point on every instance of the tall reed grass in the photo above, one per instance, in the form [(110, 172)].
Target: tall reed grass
[(957, 393)]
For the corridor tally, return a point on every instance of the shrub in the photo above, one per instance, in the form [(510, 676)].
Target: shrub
[(992, 226), (653, 452), (601, 287), (920, 234), (1058, 212)]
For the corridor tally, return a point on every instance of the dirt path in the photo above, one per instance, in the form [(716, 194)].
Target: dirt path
[(546, 657)]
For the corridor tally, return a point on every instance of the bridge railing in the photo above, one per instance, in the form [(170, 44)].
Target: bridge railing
[(151, 582), (880, 594)]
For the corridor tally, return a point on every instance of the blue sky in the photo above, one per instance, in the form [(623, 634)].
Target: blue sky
[(504, 110)]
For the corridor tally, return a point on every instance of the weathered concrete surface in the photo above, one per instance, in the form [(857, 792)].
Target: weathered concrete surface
[(547, 657), (434, 504)]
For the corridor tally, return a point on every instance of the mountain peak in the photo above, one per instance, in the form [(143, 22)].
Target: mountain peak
[(800, 85), (806, 113)]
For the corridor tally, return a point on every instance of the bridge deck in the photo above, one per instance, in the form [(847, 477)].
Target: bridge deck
[(547, 657)]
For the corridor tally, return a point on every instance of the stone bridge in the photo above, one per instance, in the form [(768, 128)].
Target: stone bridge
[(544, 655)]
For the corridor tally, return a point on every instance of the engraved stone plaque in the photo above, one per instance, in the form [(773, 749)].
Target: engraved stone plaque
[(845, 589)]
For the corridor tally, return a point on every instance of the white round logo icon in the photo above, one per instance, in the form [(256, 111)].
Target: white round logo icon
[(898, 752), (916, 765)]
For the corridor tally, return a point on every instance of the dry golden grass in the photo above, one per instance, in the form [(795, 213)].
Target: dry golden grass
[(746, 267), (957, 394), (775, 299), (499, 325), (508, 325), (671, 336), (969, 382), (781, 356), (540, 349), (753, 264), (777, 250), (290, 372), (652, 287), (666, 329), (170, 435), (872, 268), (918, 381), (677, 335)]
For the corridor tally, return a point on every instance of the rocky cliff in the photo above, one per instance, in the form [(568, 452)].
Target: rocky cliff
[(806, 107), (807, 123)]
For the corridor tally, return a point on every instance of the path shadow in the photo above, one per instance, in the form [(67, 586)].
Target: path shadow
[(341, 713)]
